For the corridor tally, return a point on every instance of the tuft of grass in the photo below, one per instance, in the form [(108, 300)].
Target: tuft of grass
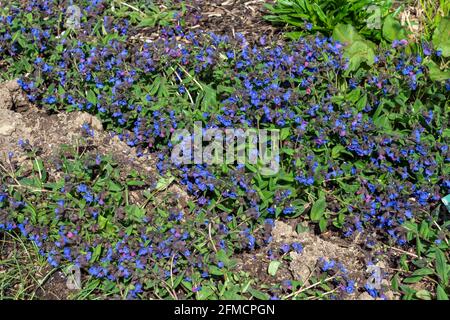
[(22, 270)]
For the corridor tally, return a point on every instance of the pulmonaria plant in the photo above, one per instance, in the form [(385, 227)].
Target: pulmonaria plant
[(363, 152), (85, 218)]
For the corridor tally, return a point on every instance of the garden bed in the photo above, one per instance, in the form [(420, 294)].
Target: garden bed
[(90, 118)]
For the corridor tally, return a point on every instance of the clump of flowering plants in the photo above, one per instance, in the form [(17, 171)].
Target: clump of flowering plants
[(363, 152)]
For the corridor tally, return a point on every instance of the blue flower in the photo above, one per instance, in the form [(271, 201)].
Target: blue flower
[(328, 265), (50, 100), (350, 288), (285, 248), (297, 247), (82, 188)]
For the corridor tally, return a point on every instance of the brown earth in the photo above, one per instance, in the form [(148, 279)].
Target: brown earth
[(302, 266), (224, 17), (234, 16)]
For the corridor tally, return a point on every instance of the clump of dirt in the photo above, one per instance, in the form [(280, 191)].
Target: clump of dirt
[(54, 288), (314, 248), (302, 265), (257, 263), (11, 98)]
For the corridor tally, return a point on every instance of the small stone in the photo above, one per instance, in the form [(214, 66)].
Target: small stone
[(6, 101), (390, 295), (6, 129), (81, 118)]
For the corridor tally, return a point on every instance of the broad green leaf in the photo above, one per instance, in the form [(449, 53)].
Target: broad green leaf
[(96, 253), (441, 37), (164, 182), (114, 187), (318, 209), (423, 295), (134, 212), (436, 74), (441, 294), (413, 279), (423, 272), (441, 266), (204, 293), (323, 224), (91, 97), (258, 294), (136, 183), (392, 29), (346, 34), (273, 267), (215, 271), (358, 52), (102, 222)]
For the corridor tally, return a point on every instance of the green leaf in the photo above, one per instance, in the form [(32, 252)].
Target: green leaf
[(441, 36), (413, 279), (436, 74), (359, 52), (204, 293), (319, 12), (423, 295), (91, 97), (285, 133), (337, 150), (102, 222), (301, 228), (441, 266), (136, 183), (395, 283), (423, 272), (346, 34), (232, 295), (273, 267), (323, 223), (392, 29), (209, 100), (96, 253), (114, 187), (222, 256), (148, 22), (440, 293), (135, 213), (362, 102), (215, 271), (258, 294), (164, 182), (318, 209)]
